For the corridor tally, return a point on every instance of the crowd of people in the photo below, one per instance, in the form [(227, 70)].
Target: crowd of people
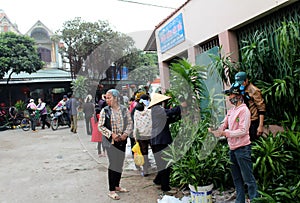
[(111, 120)]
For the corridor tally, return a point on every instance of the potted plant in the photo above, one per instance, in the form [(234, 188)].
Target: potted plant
[(198, 160), (20, 106), (197, 157)]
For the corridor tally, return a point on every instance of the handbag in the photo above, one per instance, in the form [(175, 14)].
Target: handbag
[(138, 157)]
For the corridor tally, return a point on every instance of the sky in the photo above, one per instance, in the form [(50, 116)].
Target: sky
[(122, 16)]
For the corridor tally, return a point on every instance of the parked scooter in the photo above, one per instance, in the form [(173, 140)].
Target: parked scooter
[(59, 117)]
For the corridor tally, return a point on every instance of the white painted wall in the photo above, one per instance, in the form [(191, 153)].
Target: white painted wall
[(204, 19)]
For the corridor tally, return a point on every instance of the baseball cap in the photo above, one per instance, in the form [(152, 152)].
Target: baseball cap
[(240, 77), (235, 88)]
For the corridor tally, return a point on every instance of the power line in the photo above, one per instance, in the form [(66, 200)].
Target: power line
[(147, 4)]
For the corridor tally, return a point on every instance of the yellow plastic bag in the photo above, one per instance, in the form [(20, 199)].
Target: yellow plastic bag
[(137, 157)]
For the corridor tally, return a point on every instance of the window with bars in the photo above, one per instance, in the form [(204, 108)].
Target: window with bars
[(203, 47)]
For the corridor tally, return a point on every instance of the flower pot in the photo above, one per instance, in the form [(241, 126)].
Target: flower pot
[(203, 194)]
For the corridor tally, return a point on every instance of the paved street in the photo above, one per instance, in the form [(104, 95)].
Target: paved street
[(59, 166)]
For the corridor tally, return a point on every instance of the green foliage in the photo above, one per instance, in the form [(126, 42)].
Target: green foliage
[(275, 68), (144, 67), (81, 39), (187, 82), (198, 158), (277, 167), (80, 87), (225, 66), (272, 64), (18, 54), (20, 105), (255, 54)]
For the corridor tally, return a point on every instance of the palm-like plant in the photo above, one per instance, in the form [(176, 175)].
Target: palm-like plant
[(196, 156), (271, 160), (80, 87)]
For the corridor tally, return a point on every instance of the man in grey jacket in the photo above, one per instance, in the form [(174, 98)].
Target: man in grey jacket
[(73, 105)]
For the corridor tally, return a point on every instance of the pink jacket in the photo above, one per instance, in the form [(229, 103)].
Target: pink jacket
[(236, 125)]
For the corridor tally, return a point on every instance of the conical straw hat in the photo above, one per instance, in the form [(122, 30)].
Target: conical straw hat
[(157, 98)]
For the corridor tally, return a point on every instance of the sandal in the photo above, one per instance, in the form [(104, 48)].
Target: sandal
[(122, 190), (114, 196)]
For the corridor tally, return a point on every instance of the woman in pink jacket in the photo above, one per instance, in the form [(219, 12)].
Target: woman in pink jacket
[(236, 129)]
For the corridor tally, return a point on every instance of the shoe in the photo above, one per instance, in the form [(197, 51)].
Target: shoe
[(156, 183), (114, 196), (74, 132), (34, 131), (122, 190)]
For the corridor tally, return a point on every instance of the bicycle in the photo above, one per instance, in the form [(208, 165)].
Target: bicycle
[(26, 122)]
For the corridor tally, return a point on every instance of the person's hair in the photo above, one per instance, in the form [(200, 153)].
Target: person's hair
[(114, 93), (97, 112), (139, 107)]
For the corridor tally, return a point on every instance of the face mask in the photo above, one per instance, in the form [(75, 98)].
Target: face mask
[(145, 102), (234, 101)]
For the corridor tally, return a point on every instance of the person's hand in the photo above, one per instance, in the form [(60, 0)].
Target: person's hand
[(217, 133), (260, 130), (115, 137), (123, 136)]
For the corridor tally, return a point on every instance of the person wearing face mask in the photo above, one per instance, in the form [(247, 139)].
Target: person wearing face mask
[(235, 128), (142, 129), (255, 102)]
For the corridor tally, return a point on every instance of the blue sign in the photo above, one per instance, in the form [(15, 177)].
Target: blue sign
[(172, 34)]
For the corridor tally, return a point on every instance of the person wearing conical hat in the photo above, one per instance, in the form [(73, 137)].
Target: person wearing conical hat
[(161, 137)]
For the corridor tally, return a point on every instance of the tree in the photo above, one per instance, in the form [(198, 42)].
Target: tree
[(80, 87), (115, 52), (81, 39), (18, 54)]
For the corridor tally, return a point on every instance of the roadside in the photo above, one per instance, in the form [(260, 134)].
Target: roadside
[(59, 166)]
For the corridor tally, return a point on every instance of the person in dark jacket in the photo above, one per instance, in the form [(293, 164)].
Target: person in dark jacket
[(88, 110), (161, 137)]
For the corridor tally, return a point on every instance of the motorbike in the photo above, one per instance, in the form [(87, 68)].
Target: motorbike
[(59, 117), (7, 122)]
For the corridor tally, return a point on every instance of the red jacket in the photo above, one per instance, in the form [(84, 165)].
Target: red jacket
[(96, 135)]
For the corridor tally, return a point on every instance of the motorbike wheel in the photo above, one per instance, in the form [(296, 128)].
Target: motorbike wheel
[(25, 124), (54, 124)]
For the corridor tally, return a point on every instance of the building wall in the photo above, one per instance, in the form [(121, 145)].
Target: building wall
[(204, 20)]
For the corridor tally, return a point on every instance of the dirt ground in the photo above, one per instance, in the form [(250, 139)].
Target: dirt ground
[(59, 166)]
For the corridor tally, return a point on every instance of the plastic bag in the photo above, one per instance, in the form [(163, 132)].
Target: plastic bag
[(138, 157)]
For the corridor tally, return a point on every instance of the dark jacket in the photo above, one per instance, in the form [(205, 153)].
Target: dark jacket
[(161, 119), (88, 109)]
